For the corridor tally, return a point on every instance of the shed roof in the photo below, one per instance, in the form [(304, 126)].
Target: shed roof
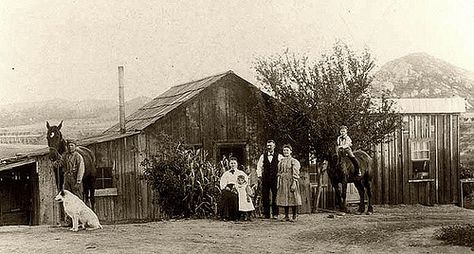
[(431, 105), (14, 155), (105, 137), (164, 103)]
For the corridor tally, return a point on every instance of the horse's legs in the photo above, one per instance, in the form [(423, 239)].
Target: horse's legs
[(337, 192), (89, 192), (368, 186), (361, 190), (92, 197), (343, 195)]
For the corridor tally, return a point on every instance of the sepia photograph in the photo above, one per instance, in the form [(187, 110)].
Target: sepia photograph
[(272, 126)]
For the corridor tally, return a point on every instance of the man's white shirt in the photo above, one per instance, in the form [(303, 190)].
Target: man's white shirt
[(260, 162)]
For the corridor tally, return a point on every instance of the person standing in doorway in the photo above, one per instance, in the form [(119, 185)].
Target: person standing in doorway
[(267, 169)]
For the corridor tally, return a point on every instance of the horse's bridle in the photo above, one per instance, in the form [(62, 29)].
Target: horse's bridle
[(56, 150)]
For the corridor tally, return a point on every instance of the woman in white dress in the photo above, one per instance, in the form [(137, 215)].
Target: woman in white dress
[(229, 205)]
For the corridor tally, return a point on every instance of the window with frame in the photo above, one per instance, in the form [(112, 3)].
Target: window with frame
[(420, 158), (104, 178)]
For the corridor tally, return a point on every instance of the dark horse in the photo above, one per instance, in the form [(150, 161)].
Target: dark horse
[(57, 146), (341, 172)]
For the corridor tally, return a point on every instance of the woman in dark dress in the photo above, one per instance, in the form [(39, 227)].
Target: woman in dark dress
[(229, 209)]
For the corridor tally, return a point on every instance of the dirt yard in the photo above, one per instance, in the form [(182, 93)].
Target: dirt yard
[(398, 229)]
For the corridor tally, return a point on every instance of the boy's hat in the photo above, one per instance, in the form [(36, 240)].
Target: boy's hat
[(343, 127)]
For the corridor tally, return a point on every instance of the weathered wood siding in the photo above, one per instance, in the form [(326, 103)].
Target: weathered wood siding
[(229, 111), (134, 197), (393, 170), (48, 207)]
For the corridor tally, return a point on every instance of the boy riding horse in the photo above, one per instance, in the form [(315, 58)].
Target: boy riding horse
[(344, 143)]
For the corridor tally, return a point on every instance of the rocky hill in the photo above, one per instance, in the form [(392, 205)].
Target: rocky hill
[(422, 75)]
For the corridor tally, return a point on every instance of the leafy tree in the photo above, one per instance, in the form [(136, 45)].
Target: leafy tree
[(314, 98)]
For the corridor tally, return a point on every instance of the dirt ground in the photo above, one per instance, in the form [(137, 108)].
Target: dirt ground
[(396, 229)]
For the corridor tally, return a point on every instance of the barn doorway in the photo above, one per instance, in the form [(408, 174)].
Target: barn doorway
[(227, 150), (19, 194)]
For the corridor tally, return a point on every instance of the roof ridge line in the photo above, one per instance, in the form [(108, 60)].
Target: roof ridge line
[(210, 76)]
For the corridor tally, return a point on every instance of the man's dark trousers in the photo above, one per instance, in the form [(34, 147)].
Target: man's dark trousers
[(269, 183)]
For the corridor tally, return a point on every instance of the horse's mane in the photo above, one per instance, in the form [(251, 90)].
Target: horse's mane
[(62, 143)]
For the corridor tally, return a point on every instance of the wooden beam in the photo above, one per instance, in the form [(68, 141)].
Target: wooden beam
[(16, 164)]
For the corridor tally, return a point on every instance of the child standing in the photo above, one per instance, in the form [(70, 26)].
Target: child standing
[(344, 143), (245, 193)]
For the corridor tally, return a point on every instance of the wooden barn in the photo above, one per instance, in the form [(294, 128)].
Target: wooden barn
[(221, 114), (419, 164), (27, 186)]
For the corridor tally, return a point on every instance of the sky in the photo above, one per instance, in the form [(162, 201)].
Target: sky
[(71, 49)]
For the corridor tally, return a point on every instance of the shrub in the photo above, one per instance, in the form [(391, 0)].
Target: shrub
[(187, 184), (457, 235), (467, 171)]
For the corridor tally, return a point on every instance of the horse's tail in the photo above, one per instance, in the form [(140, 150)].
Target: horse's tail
[(366, 163)]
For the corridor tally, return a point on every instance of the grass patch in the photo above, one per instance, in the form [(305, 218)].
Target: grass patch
[(462, 235)]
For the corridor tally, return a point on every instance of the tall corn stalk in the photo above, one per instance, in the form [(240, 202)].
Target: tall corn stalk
[(187, 184)]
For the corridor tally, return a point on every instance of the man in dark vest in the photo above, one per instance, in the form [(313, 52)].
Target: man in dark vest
[(267, 169)]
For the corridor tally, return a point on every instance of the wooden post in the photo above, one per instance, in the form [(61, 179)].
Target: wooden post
[(121, 100), (320, 170)]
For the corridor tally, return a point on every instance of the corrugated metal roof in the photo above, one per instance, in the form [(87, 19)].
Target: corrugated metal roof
[(431, 105), (166, 102)]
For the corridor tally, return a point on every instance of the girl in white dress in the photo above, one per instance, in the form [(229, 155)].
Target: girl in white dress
[(245, 197)]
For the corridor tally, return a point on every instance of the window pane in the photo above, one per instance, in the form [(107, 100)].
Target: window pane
[(107, 172), (420, 149), (108, 183), (104, 178), (426, 155)]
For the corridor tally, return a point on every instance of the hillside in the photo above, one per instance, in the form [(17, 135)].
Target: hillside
[(80, 119), (34, 112), (424, 76), (420, 75)]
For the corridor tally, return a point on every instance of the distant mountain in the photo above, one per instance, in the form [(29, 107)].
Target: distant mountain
[(420, 75), (34, 112)]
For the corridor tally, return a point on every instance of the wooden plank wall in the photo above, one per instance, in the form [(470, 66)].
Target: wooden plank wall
[(134, 196), (222, 113), (48, 208), (448, 158), (226, 112), (393, 166)]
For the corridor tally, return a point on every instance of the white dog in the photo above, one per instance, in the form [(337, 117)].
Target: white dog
[(78, 211)]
